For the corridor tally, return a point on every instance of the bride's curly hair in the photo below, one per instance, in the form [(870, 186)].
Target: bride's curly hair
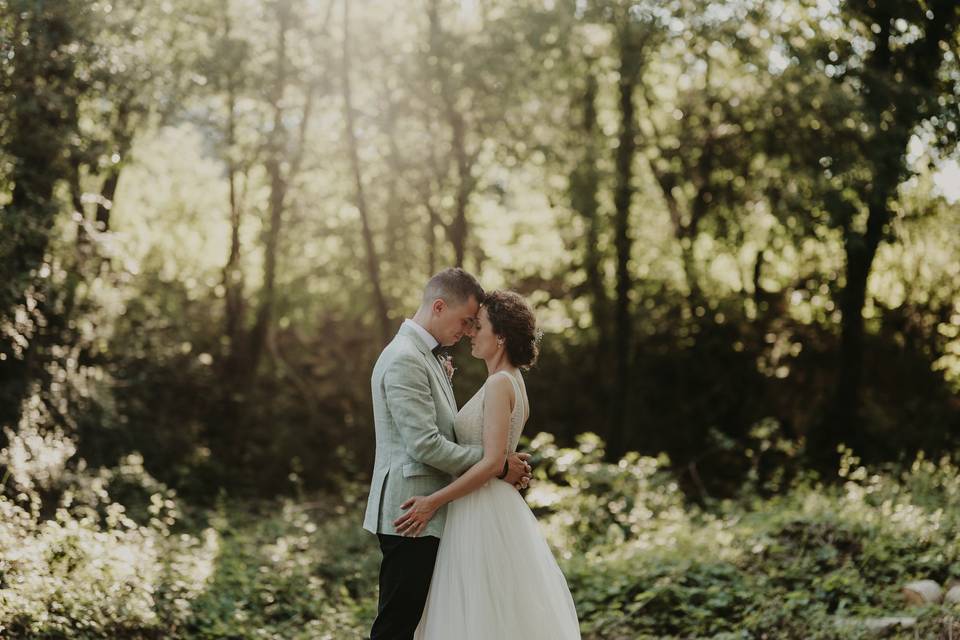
[(514, 321)]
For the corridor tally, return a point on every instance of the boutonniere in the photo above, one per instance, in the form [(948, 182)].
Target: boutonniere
[(446, 361)]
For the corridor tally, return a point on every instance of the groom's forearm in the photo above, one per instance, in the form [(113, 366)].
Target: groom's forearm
[(435, 450), (407, 389)]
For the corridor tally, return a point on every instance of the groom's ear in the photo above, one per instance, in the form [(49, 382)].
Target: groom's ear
[(438, 306)]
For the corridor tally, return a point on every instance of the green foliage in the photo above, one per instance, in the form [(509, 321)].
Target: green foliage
[(96, 567), (95, 553), (302, 571), (641, 562)]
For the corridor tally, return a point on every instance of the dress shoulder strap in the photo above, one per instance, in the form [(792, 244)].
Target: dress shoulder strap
[(517, 394)]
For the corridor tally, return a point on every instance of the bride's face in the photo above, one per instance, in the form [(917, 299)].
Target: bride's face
[(484, 342)]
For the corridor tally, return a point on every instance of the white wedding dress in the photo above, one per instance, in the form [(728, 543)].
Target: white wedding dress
[(495, 577)]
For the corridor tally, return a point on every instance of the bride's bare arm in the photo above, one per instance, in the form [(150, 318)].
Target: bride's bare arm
[(497, 408)]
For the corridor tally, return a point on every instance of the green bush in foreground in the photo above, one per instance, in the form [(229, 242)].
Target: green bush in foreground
[(807, 564), (641, 562), (109, 554)]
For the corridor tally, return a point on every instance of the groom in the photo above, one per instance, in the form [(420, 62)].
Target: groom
[(417, 453)]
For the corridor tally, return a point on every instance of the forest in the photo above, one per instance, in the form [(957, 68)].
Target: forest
[(738, 222)]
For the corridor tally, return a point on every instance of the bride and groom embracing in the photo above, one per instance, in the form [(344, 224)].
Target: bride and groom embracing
[(463, 556)]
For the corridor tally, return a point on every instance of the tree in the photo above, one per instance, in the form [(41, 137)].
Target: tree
[(40, 71), (373, 263), (701, 131), (868, 88), (43, 46)]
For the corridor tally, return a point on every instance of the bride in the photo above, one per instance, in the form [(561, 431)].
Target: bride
[(495, 576)]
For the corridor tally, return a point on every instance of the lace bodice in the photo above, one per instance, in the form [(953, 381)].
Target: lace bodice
[(469, 421)]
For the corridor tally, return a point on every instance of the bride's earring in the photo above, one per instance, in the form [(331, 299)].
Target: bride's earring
[(499, 342)]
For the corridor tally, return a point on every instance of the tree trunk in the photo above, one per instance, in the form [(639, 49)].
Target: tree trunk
[(430, 236), (458, 228), (278, 191), (44, 114), (233, 280), (629, 68), (884, 96), (76, 200), (842, 419), (584, 190), (373, 264), (395, 223), (108, 189)]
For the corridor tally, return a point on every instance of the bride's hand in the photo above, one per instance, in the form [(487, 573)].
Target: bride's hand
[(419, 511)]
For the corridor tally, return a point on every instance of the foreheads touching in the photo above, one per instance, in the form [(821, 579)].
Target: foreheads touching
[(454, 286), (452, 298)]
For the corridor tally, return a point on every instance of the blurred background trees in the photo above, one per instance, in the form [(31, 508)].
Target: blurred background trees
[(733, 218)]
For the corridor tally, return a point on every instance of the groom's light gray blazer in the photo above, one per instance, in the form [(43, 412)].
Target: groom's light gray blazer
[(417, 454)]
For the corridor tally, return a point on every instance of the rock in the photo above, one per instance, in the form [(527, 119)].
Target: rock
[(876, 625), (922, 592), (882, 624), (953, 595)]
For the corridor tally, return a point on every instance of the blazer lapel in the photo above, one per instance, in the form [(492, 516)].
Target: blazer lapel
[(434, 363), (444, 381)]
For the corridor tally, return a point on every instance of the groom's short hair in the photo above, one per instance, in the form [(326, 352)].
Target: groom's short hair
[(454, 286)]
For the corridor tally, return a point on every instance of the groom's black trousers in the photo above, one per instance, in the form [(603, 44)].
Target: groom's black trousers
[(404, 582)]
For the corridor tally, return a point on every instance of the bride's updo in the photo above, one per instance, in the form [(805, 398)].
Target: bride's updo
[(512, 318)]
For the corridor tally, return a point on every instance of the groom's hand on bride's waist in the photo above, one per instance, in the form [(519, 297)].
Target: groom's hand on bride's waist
[(518, 470)]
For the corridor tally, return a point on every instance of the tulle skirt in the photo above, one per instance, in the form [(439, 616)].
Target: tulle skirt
[(496, 577)]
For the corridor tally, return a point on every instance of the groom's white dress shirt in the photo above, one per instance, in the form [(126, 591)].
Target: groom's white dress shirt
[(423, 333)]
